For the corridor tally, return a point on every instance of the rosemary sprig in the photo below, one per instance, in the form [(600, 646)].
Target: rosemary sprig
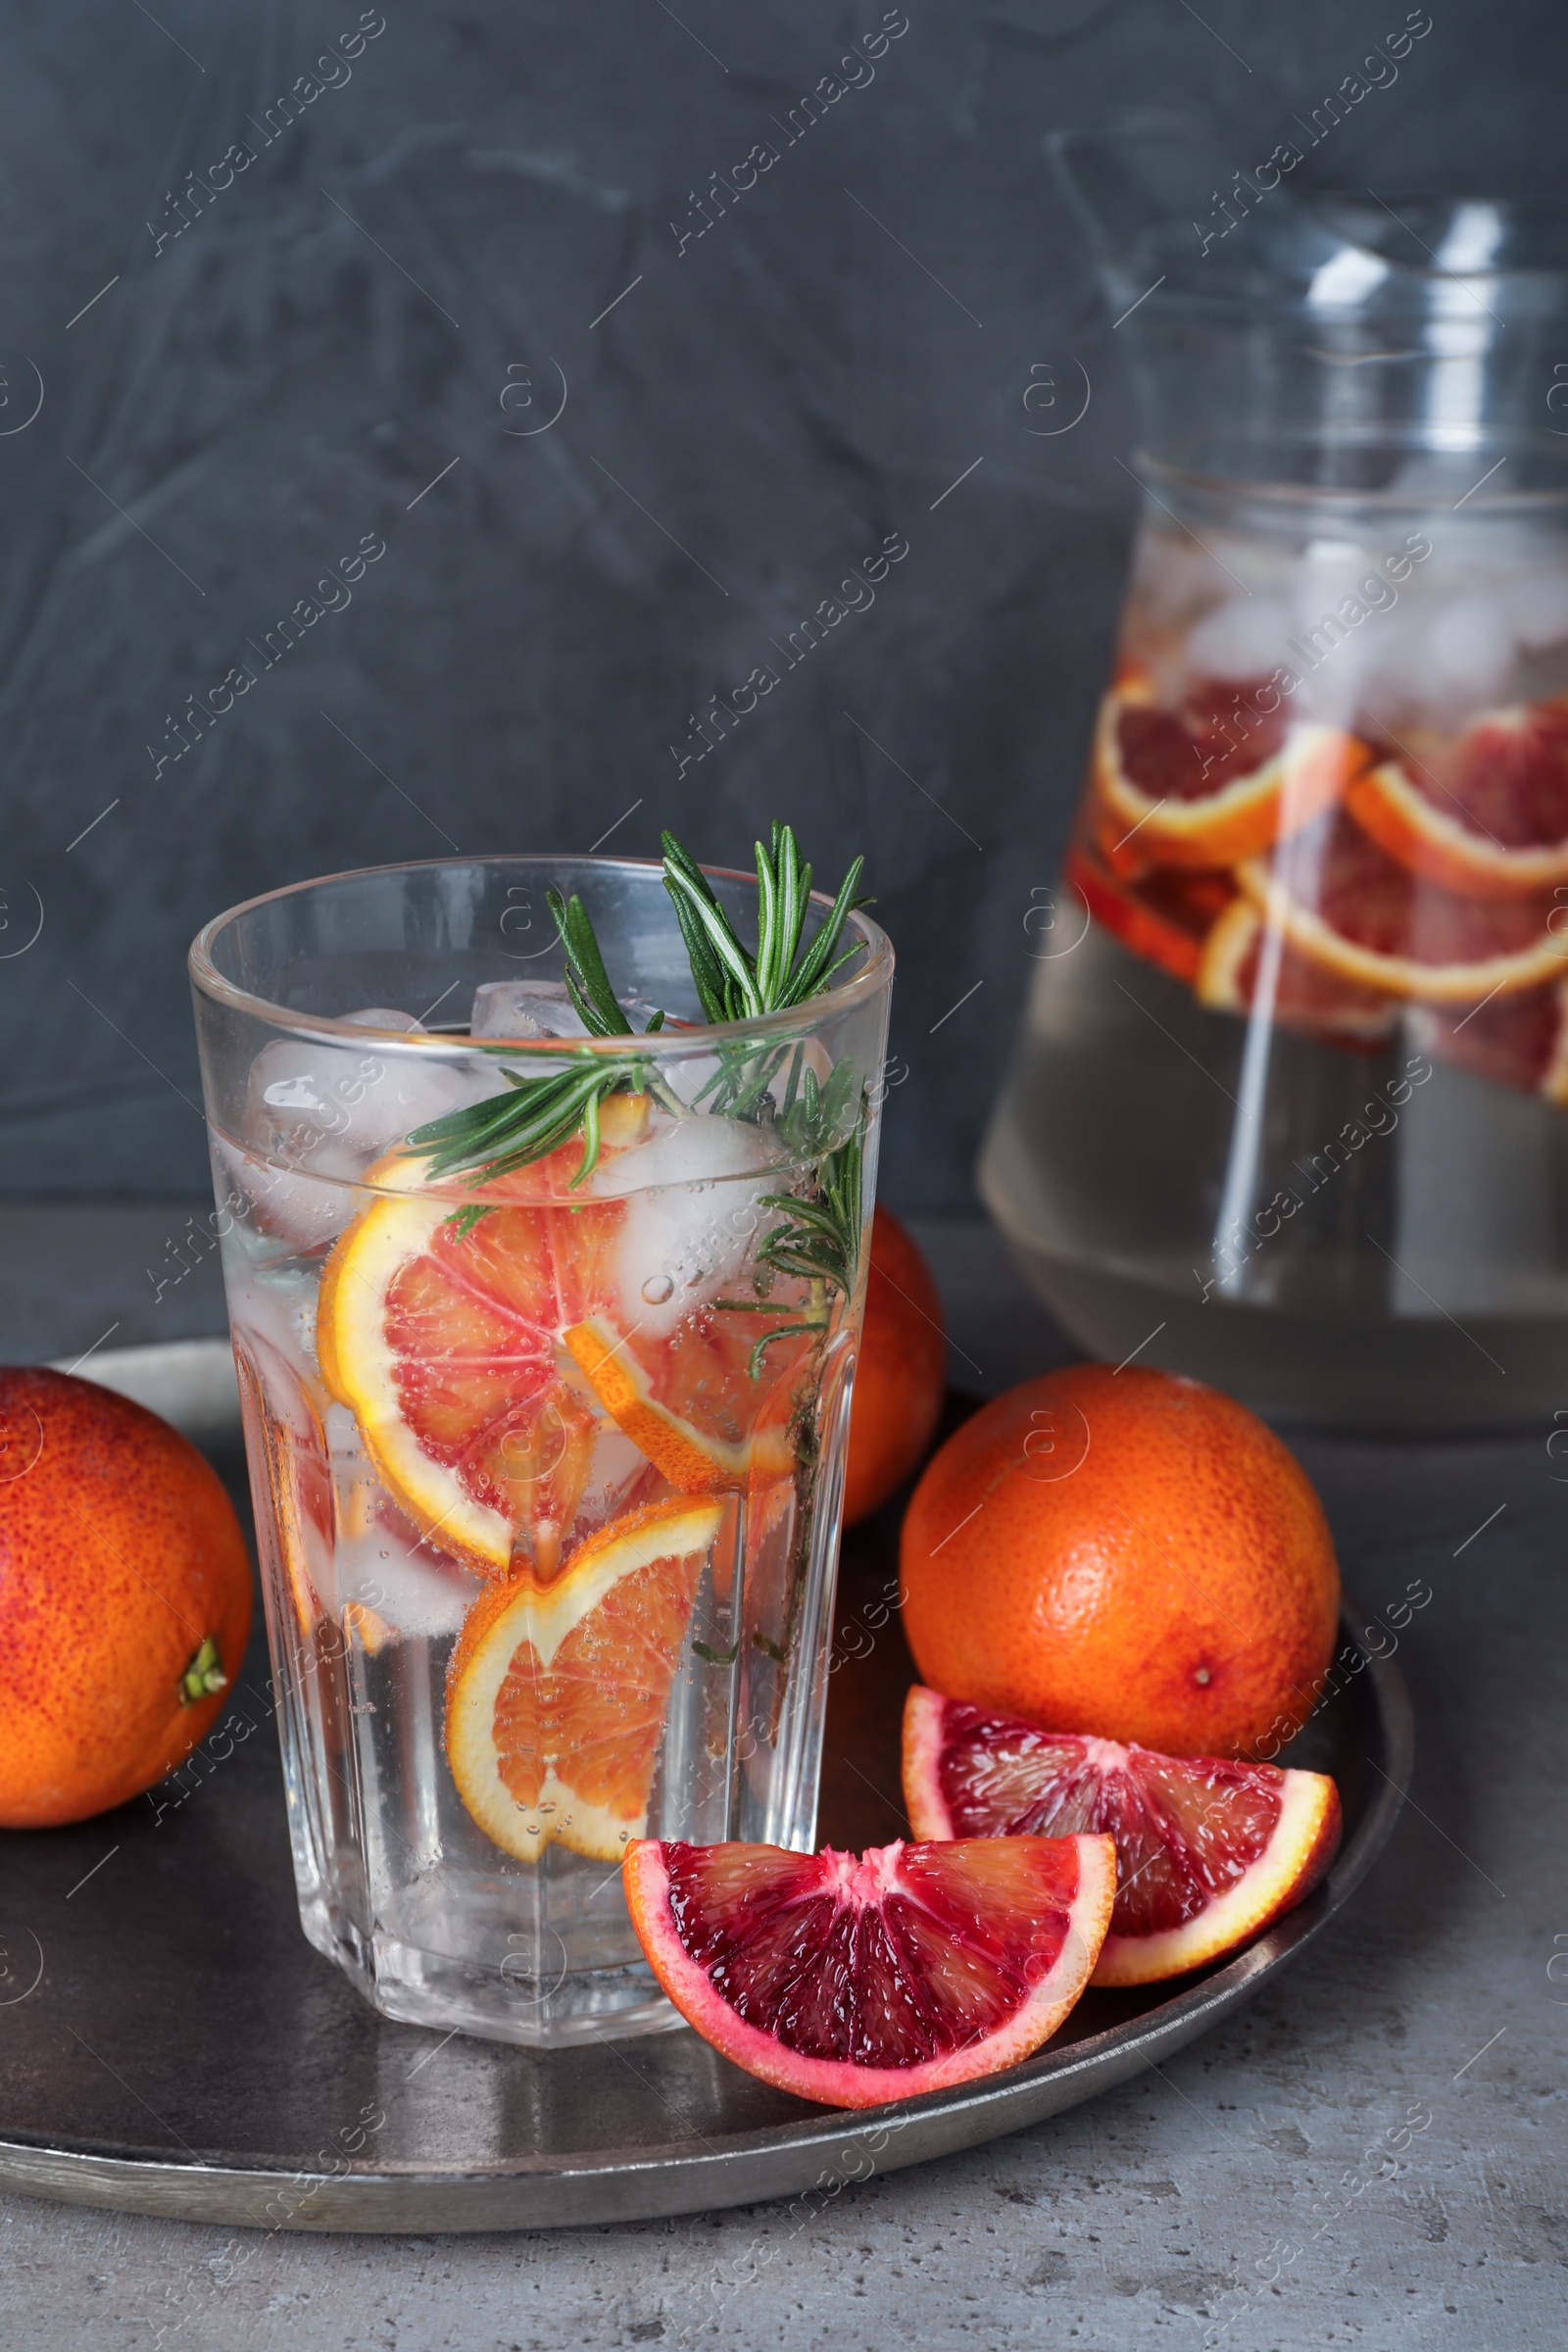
[(818, 1241), (732, 985), (511, 1131), (593, 999), (541, 1113)]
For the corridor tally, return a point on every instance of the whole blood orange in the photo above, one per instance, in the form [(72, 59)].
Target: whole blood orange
[(898, 1376), (125, 1598), (1124, 1553)]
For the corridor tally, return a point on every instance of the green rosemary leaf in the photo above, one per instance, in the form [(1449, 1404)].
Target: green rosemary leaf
[(717, 1657), (587, 981), (768, 926), (809, 978), (785, 1331), (707, 970), (720, 938), (463, 1220), (769, 1649)]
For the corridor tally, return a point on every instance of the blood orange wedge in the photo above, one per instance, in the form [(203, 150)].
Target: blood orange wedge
[(1163, 916), (1347, 905), (1211, 781), (556, 1693), (860, 1980), (1487, 814), (1207, 1852), (1301, 994)]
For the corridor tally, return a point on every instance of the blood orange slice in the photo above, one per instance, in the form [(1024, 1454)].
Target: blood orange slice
[(485, 1362), (1210, 781), (1486, 814), (854, 1979), (1519, 1041), (1207, 1852), (556, 1693), (1163, 916), (1347, 905), (692, 1407), (1303, 995), (441, 1339)]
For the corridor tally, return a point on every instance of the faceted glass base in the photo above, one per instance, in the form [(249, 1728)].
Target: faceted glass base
[(549, 2011)]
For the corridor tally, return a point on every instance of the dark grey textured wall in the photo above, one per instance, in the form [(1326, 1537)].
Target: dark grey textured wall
[(254, 396)]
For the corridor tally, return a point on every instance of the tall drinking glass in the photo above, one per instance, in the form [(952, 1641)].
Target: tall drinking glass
[(547, 1447)]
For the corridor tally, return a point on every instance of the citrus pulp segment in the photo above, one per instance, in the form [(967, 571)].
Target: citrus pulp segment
[(557, 1693), (1346, 903), (1209, 1852), (1207, 784), (860, 1980)]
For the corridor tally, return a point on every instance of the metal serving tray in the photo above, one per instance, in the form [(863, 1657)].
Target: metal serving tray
[(169, 2043)]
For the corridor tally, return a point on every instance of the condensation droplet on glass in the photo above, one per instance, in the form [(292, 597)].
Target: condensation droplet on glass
[(657, 1289)]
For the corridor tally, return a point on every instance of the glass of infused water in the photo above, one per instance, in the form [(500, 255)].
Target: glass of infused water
[(545, 1189)]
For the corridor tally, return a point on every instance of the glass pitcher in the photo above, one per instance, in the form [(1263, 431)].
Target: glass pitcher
[(1289, 1107)]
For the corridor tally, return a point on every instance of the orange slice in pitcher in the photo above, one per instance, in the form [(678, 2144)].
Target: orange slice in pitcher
[(1485, 815), (443, 1343), (1212, 780), (1344, 902), (557, 1693), (1165, 917), (1303, 995)]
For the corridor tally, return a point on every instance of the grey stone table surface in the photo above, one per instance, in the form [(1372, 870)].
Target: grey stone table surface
[(1373, 2154)]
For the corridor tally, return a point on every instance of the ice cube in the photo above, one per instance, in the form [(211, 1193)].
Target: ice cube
[(1242, 638), (1470, 650), (523, 1008), (334, 1109), (693, 1195), (412, 1588), (1538, 607), (305, 1210), (379, 1017), (696, 1151), (538, 1008)]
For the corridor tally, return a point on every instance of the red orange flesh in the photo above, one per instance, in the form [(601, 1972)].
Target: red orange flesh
[(860, 1980), (1209, 1852)]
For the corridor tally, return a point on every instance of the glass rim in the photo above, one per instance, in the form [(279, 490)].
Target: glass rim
[(695, 1037), (1287, 493)]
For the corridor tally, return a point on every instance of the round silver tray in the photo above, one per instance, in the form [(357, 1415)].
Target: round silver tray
[(169, 2043)]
